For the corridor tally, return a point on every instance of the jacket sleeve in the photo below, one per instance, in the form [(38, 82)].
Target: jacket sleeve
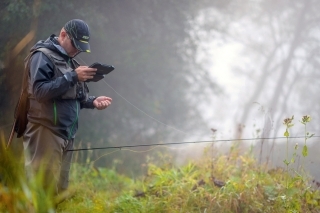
[(44, 86), (88, 103)]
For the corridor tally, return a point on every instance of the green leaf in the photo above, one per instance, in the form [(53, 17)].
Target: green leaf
[(286, 133), (286, 162), (311, 136), (305, 151)]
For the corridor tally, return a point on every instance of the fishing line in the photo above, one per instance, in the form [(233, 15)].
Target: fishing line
[(142, 110), (142, 151), (135, 151), (109, 153), (151, 117), (186, 142)]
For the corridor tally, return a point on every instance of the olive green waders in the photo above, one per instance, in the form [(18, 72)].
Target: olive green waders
[(47, 154)]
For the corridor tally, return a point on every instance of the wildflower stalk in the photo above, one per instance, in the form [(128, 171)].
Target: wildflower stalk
[(288, 123), (305, 119)]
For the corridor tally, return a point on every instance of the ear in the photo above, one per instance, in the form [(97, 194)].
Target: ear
[(62, 36), (63, 33)]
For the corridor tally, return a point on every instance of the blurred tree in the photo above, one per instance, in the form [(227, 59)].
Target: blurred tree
[(280, 60)]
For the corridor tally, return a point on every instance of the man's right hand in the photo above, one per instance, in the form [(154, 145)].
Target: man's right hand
[(84, 73)]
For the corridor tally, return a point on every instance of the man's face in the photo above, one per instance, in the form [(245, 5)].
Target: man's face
[(67, 44)]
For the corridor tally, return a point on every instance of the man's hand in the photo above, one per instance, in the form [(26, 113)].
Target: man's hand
[(102, 102), (84, 73)]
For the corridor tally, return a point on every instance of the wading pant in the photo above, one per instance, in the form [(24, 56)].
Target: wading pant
[(47, 158)]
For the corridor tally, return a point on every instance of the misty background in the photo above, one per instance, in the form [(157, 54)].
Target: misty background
[(182, 68)]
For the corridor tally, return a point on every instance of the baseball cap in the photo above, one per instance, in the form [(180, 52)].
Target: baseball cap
[(78, 30)]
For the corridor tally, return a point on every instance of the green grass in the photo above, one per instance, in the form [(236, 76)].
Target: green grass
[(16, 193), (192, 188), (167, 188)]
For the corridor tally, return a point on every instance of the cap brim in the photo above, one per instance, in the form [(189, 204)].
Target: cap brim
[(82, 46)]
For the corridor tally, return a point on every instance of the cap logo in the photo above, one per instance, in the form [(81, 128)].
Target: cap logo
[(85, 37)]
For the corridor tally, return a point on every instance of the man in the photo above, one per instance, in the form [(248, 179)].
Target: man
[(57, 91)]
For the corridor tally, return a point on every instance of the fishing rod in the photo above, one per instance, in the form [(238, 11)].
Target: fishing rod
[(186, 142)]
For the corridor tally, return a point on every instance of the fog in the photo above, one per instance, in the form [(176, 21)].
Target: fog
[(267, 68), (183, 68)]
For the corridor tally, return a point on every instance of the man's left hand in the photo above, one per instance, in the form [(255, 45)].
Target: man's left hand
[(102, 102)]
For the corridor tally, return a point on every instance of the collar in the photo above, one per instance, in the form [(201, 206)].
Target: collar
[(55, 43)]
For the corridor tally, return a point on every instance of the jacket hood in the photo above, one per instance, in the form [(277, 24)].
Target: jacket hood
[(51, 43)]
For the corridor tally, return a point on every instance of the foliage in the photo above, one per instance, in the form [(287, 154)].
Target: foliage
[(16, 193), (234, 184)]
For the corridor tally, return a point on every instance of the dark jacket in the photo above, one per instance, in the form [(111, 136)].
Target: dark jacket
[(47, 88)]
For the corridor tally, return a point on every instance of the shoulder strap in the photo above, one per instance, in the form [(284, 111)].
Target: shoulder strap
[(50, 53)]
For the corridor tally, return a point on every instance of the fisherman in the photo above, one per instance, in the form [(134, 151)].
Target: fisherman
[(56, 92)]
